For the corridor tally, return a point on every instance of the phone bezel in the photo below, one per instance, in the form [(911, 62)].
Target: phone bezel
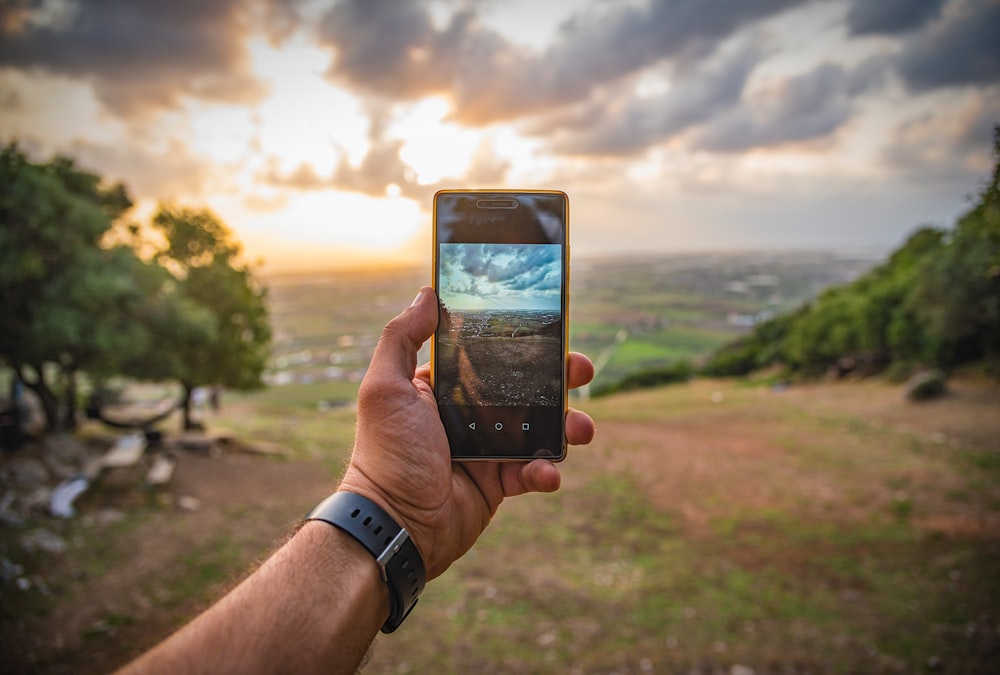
[(565, 297)]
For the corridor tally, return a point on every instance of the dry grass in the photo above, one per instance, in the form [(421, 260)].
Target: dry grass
[(826, 528)]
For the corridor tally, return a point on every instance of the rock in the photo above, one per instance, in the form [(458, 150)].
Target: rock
[(162, 470), (926, 385), (126, 451), (188, 503), (61, 504)]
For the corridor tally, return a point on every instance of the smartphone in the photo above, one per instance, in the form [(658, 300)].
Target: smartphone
[(498, 356)]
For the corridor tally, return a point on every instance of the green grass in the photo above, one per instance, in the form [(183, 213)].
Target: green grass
[(597, 578)]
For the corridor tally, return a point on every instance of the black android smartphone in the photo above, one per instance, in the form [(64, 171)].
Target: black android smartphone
[(498, 357)]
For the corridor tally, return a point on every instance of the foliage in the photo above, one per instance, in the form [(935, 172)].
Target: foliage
[(73, 299), (56, 280), (678, 372), (759, 349), (934, 302), (958, 297), (223, 337)]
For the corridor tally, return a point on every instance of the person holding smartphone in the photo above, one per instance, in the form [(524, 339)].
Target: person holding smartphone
[(403, 512)]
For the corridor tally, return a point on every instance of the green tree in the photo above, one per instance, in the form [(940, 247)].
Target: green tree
[(64, 298), (219, 330), (958, 295)]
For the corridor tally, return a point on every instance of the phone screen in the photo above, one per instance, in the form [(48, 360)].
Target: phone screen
[(499, 352)]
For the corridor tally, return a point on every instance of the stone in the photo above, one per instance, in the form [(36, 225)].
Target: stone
[(926, 385)]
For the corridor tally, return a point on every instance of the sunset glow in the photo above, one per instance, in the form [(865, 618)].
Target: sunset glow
[(319, 131)]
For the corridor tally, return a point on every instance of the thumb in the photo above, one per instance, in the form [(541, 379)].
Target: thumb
[(396, 353)]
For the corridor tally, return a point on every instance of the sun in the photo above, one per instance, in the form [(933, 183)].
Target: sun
[(432, 147)]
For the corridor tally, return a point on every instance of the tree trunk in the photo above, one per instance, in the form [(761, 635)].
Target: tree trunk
[(48, 398), (69, 420), (186, 421)]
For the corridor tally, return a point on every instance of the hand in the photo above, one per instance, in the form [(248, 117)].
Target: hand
[(401, 458)]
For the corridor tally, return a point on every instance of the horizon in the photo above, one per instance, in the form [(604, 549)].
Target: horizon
[(319, 131), (873, 254)]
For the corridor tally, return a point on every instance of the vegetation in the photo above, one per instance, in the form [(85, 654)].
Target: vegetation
[(682, 371), (77, 296), (710, 526), (934, 302)]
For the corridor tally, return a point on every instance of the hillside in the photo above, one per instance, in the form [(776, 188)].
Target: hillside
[(823, 528)]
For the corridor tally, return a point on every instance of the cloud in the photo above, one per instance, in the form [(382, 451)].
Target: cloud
[(136, 54), (807, 107), (502, 270), (394, 50), (622, 123), (948, 146), (890, 17), (962, 49), (168, 172), (382, 167)]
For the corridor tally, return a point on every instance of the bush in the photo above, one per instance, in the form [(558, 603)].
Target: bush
[(675, 373), (926, 385)]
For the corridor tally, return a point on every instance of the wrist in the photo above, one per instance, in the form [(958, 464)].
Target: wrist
[(357, 482), (399, 564)]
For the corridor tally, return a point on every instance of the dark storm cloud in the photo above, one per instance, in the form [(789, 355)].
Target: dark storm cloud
[(394, 50), (622, 124), (808, 107), (137, 54), (961, 49), (946, 146), (515, 267), (890, 17)]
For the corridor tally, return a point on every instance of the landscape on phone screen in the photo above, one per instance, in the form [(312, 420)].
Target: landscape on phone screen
[(500, 333)]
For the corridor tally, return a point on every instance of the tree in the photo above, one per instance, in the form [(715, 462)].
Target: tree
[(958, 296), (220, 333), (64, 299)]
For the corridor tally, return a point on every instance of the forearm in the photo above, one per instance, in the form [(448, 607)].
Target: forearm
[(315, 605)]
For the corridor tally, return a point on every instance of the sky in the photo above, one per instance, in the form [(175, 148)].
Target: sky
[(501, 276), (318, 130)]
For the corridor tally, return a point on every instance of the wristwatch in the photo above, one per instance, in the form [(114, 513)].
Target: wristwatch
[(399, 563)]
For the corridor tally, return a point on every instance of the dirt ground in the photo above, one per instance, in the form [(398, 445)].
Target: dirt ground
[(109, 612), (106, 613)]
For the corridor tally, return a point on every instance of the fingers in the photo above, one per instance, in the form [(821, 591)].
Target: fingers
[(396, 353), (579, 370), (579, 427), (518, 478)]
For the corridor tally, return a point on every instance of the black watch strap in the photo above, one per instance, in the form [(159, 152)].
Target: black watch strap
[(399, 561)]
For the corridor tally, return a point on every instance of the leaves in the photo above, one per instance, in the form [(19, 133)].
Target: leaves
[(935, 301), (69, 297)]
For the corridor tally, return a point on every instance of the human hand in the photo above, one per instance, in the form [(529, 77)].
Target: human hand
[(401, 458)]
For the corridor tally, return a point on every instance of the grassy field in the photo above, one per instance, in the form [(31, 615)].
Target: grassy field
[(828, 529), (710, 527), (713, 527), (627, 314)]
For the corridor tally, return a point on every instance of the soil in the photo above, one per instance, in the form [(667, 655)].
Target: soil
[(116, 613), (112, 614)]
